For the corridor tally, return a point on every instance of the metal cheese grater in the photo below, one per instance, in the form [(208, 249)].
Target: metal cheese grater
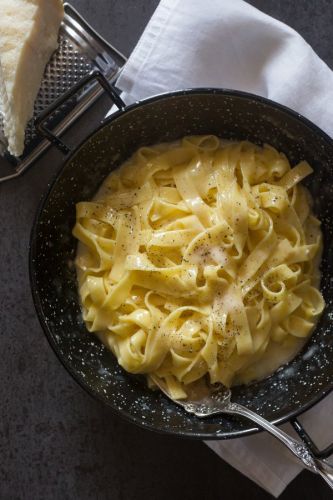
[(81, 50)]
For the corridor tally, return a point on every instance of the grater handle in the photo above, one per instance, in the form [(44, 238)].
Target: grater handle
[(45, 115)]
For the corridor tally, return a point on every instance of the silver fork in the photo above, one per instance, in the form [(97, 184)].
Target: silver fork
[(205, 400)]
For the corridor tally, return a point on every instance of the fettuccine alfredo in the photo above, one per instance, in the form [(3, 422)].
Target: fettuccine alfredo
[(200, 258)]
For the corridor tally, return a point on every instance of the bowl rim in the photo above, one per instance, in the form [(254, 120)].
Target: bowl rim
[(126, 415)]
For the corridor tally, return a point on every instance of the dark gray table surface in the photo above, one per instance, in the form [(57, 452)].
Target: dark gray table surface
[(55, 441)]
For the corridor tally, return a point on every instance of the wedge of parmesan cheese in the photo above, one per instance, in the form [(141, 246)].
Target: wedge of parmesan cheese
[(28, 37)]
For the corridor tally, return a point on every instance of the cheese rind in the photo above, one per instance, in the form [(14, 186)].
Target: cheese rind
[(28, 37)]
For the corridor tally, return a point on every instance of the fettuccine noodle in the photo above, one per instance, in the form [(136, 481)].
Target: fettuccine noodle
[(200, 257)]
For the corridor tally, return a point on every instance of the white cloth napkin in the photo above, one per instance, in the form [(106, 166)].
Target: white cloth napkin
[(228, 43)]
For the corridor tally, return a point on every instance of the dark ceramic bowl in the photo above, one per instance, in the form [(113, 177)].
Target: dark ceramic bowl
[(228, 114)]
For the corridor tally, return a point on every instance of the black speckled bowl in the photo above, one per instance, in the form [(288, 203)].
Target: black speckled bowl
[(228, 114)]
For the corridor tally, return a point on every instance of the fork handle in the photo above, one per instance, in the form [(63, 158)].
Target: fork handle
[(299, 450)]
